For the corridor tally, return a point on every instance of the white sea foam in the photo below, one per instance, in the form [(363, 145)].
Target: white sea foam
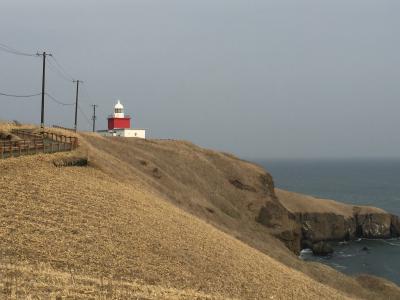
[(391, 244), (305, 251)]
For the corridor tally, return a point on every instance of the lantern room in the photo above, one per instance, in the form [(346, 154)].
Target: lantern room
[(119, 120)]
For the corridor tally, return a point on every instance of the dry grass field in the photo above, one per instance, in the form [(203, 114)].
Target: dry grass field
[(150, 220)]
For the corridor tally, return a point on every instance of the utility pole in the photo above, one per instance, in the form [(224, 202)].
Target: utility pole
[(76, 104), (94, 117), (44, 54)]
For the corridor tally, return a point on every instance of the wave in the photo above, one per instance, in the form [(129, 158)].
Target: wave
[(346, 255), (391, 244), (369, 239), (337, 266), (305, 251)]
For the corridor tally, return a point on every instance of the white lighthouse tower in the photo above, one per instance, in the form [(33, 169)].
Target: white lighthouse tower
[(118, 110), (119, 124)]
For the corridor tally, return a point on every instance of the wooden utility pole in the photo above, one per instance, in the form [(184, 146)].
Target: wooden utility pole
[(76, 105), (44, 54), (94, 117)]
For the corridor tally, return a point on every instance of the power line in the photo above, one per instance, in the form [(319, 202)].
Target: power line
[(85, 90), (20, 96), (102, 110), (84, 115), (11, 50), (57, 68), (58, 101), (59, 73), (94, 117), (62, 69)]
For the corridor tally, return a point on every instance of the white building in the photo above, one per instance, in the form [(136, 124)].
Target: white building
[(119, 124)]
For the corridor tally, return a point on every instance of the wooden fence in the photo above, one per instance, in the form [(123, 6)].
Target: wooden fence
[(26, 134), (61, 138), (33, 143), (64, 128)]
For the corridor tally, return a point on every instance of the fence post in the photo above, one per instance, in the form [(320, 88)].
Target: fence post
[(35, 142)]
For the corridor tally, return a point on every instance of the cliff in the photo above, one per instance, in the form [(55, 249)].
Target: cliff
[(327, 220)]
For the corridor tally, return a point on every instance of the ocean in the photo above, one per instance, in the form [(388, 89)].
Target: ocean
[(361, 182)]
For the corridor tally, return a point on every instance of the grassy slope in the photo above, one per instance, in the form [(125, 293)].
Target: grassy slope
[(80, 219), (193, 178), (75, 226)]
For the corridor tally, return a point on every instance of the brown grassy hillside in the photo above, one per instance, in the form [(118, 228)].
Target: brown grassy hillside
[(196, 179), (83, 220), (152, 220)]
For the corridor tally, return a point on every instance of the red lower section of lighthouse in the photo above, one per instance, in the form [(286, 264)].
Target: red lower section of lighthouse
[(114, 123)]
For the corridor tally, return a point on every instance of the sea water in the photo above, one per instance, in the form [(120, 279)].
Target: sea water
[(361, 182)]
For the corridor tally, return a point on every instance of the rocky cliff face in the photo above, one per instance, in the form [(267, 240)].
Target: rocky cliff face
[(373, 225), (313, 228), (316, 227), (306, 221), (275, 216), (395, 225)]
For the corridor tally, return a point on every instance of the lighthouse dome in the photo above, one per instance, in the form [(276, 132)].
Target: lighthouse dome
[(119, 105)]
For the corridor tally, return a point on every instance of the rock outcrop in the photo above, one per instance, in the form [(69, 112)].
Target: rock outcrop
[(395, 226), (322, 248), (316, 227), (316, 221), (373, 225)]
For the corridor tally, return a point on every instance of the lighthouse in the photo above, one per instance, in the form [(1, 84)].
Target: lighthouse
[(118, 120), (119, 124)]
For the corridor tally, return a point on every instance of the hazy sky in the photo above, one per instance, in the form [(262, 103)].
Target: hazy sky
[(261, 79)]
